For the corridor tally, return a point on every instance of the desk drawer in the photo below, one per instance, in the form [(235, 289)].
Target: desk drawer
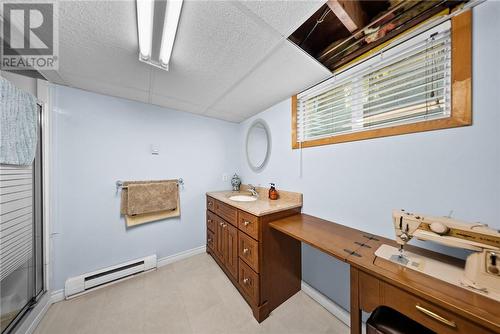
[(210, 221), (248, 280), (430, 315), (248, 250), (227, 212), (249, 224)]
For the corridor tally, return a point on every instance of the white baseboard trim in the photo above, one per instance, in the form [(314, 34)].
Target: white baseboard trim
[(57, 296), (327, 303), (180, 256)]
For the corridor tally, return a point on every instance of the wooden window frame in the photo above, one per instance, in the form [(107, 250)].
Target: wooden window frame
[(461, 95)]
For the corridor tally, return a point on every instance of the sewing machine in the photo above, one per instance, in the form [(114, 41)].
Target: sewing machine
[(482, 267)]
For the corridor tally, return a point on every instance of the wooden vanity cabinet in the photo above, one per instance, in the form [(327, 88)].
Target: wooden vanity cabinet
[(262, 263)]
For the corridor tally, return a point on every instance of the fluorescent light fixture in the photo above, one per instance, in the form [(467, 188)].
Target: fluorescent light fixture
[(145, 24), (172, 14), (145, 13)]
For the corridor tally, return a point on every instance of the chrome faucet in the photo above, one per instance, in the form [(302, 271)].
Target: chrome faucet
[(252, 189)]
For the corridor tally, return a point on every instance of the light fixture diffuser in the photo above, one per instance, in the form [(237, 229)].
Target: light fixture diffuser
[(145, 13), (172, 15)]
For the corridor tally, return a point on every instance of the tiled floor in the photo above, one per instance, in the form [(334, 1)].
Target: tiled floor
[(189, 296)]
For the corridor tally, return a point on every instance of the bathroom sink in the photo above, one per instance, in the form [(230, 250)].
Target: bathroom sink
[(243, 198)]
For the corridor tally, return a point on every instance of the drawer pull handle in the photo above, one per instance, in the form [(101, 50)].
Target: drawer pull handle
[(224, 225), (246, 281), (210, 203), (245, 250), (209, 221), (246, 223), (436, 316), (220, 224)]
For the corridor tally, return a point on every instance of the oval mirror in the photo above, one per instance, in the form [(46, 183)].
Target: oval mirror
[(258, 145)]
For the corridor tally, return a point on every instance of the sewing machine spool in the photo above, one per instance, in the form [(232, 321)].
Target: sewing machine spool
[(434, 268)]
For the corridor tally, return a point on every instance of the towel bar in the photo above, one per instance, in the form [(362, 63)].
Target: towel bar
[(119, 184)]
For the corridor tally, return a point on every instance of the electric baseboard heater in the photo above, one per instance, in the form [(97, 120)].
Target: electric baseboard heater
[(83, 283)]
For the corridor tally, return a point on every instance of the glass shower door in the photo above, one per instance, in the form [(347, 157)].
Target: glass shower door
[(21, 235)]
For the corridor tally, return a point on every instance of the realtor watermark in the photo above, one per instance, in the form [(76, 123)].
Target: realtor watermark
[(29, 35)]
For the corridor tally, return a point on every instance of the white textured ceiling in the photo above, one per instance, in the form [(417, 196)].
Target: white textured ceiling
[(231, 59)]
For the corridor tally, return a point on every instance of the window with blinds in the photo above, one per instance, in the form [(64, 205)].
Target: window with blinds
[(405, 84)]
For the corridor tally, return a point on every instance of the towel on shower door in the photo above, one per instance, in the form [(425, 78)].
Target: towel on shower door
[(148, 197), (18, 125)]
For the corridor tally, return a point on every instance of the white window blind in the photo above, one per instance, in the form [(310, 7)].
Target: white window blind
[(408, 83)]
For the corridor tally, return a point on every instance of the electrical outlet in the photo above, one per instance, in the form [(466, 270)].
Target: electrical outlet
[(225, 177)]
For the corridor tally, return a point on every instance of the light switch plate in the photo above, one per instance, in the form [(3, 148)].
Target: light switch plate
[(155, 150)]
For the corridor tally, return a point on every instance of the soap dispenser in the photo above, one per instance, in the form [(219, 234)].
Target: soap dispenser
[(273, 193)]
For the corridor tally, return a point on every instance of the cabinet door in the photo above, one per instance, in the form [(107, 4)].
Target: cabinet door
[(231, 249), (219, 239)]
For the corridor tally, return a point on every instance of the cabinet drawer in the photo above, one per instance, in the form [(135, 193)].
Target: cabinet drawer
[(210, 204), (248, 280), (210, 239), (428, 314), (227, 212), (248, 250), (210, 221), (249, 224)]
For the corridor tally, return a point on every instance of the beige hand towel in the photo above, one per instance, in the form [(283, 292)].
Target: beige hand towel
[(146, 197)]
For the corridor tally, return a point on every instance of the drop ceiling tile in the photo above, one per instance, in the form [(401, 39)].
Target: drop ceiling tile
[(105, 88), (285, 72), (109, 64), (98, 41), (283, 15), (176, 104), (216, 45), (111, 23), (225, 116)]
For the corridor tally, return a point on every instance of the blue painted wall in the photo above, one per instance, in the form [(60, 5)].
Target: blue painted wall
[(359, 183), (99, 139)]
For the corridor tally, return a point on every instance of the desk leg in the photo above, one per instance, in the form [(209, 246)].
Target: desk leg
[(355, 308)]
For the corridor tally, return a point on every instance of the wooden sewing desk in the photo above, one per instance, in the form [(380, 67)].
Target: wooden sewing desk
[(442, 307)]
